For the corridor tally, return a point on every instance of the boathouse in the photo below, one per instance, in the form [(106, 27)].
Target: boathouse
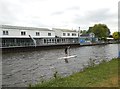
[(69, 36), (88, 38), (20, 36)]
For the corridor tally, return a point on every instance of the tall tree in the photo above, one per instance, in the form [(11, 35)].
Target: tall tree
[(116, 35), (100, 30), (84, 31)]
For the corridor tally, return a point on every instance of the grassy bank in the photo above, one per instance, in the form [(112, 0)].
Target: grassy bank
[(102, 75)]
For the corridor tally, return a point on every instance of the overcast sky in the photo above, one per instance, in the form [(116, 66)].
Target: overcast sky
[(68, 14)]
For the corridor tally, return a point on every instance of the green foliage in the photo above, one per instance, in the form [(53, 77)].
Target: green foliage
[(100, 30), (91, 76), (55, 74), (83, 31), (116, 35)]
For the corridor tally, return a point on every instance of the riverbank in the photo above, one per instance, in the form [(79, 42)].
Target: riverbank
[(102, 75), (43, 47)]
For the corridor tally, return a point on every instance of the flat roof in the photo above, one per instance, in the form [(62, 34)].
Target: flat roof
[(24, 28), (64, 30)]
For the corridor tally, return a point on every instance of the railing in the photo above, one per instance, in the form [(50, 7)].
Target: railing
[(39, 42)]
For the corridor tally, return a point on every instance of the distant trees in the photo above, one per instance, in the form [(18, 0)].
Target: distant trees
[(100, 30), (83, 31), (116, 35)]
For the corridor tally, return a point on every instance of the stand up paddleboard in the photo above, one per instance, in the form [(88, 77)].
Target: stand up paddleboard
[(72, 56)]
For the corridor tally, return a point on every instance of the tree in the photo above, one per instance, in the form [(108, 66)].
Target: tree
[(89, 30), (116, 35), (83, 31), (100, 30)]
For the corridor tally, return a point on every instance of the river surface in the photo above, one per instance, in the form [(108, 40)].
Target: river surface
[(24, 68)]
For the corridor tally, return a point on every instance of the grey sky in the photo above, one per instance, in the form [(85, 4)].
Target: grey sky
[(60, 13)]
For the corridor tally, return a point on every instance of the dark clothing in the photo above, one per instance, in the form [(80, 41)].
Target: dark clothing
[(66, 51)]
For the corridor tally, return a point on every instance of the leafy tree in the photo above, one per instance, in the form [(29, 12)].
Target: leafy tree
[(89, 30), (116, 35), (80, 31), (100, 30), (84, 31)]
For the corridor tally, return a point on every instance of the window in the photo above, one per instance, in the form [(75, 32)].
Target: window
[(5, 32), (52, 40), (64, 34), (37, 33), (44, 40), (23, 33), (49, 34), (73, 34), (68, 34), (48, 40)]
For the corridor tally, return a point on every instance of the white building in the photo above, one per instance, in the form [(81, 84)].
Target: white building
[(7, 31), (14, 36), (68, 36), (65, 33), (25, 36)]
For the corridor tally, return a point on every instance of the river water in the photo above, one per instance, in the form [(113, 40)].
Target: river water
[(24, 68)]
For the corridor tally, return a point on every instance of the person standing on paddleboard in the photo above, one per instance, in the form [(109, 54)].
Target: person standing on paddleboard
[(66, 50), (66, 53)]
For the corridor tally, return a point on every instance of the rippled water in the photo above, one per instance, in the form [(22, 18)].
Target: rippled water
[(24, 68)]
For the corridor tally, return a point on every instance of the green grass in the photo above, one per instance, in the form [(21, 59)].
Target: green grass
[(102, 75)]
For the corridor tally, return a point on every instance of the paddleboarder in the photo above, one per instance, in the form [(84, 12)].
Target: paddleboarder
[(66, 50), (66, 53)]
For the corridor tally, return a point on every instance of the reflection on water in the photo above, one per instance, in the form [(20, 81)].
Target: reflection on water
[(66, 60), (23, 68)]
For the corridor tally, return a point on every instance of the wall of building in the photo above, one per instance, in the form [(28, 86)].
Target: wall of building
[(11, 33), (15, 39), (70, 36), (59, 33), (16, 33)]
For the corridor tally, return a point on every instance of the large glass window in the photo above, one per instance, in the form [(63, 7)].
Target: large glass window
[(64, 34), (23, 33), (68, 34), (44, 40), (73, 34), (5, 32), (49, 34), (37, 33)]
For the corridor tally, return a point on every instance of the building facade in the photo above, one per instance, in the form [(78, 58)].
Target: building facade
[(88, 38), (18, 36), (23, 36), (70, 36)]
